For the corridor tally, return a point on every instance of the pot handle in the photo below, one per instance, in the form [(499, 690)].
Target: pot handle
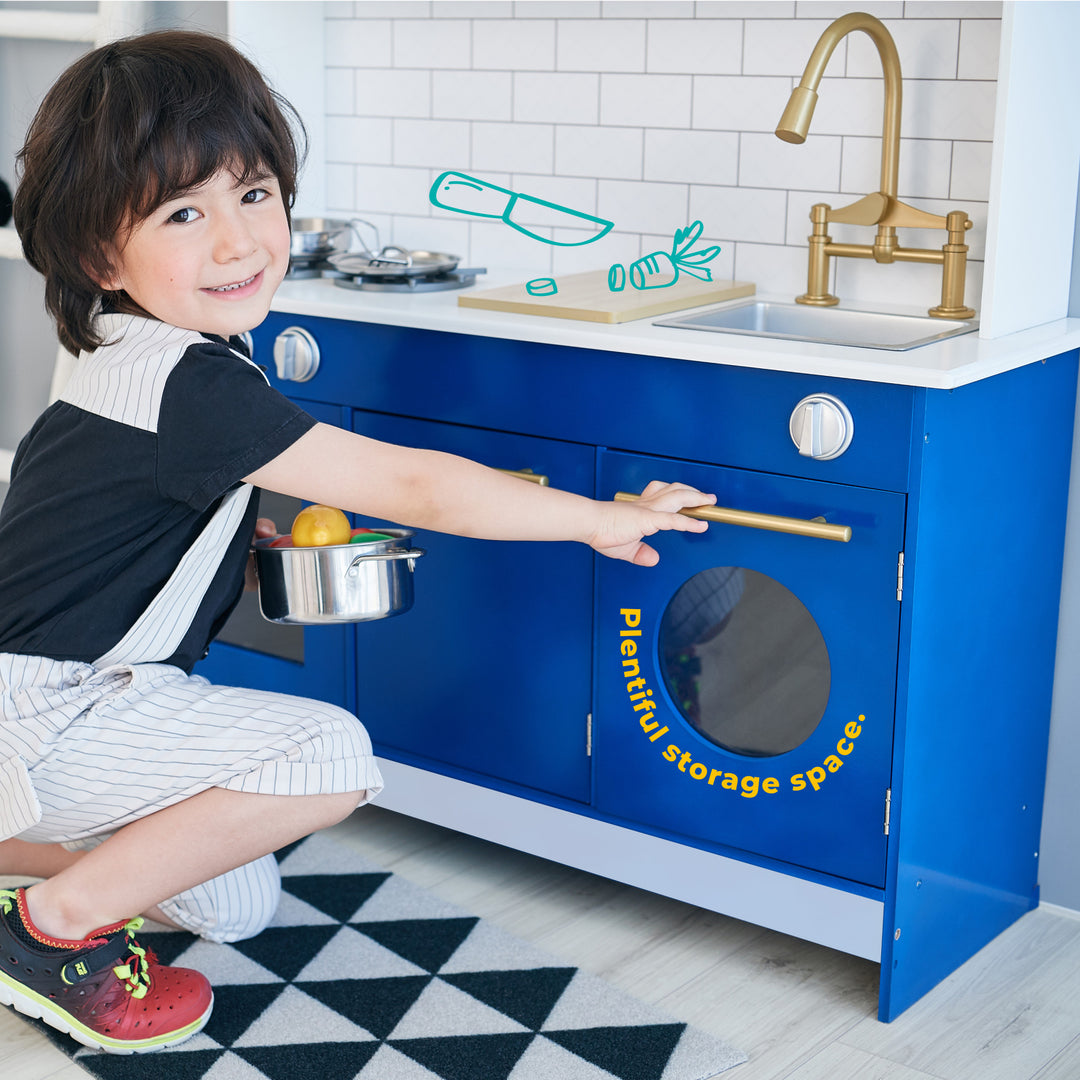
[(412, 555)]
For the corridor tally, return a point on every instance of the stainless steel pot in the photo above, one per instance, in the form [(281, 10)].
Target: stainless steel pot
[(319, 237), (335, 584)]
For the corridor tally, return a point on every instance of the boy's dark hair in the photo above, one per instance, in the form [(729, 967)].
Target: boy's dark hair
[(125, 129)]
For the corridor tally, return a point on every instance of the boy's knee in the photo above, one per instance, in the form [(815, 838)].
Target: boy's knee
[(232, 907)]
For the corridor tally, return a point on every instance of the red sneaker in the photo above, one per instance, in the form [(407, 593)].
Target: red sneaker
[(105, 991)]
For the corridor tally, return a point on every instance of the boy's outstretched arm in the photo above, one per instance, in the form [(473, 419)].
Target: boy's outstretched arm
[(427, 489)]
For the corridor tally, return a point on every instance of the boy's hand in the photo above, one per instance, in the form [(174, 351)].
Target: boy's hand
[(623, 524), (263, 527)]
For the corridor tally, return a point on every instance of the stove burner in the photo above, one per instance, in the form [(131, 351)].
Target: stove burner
[(451, 279)]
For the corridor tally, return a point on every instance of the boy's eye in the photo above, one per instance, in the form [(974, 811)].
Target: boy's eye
[(255, 195), (185, 215)]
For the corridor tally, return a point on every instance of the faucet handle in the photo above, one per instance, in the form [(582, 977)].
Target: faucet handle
[(866, 211)]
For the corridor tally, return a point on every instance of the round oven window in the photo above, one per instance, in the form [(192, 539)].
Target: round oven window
[(744, 661)]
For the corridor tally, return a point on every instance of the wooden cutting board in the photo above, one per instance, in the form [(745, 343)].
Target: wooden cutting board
[(587, 297)]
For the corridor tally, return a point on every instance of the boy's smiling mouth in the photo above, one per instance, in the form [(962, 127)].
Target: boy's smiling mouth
[(236, 286)]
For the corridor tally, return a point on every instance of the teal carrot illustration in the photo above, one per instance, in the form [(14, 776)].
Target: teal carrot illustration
[(662, 269)]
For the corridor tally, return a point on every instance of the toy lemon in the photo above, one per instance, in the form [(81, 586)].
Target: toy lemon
[(320, 526)]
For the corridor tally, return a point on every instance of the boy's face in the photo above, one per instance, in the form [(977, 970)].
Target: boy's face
[(210, 259)]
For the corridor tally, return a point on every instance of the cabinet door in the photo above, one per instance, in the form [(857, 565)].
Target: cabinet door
[(310, 661), (489, 672), (746, 685)]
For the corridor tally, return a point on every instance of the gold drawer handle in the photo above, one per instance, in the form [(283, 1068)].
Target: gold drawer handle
[(527, 474), (816, 527)]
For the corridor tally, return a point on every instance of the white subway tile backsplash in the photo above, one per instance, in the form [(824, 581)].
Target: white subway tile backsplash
[(392, 9), (643, 207), (647, 9), (651, 114), (496, 244), (927, 49), (739, 102), (782, 47), (339, 91), (601, 45), (528, 148), (695, 47), (949, 110), (692, 157), (767, 162), (740, 213), (388, 92), (472, 9), (616, 247), (388, 190), (340, 187), (953, 9), (514, 44), (556, 97), (359, 139), (646, 100), (745, 9), (924, 167), (432, 43), (970, 171), (773, 268), (438, 143), (980, 44), (471, 95), (833, 9), (356, 43), (612, 153), (557, 9)]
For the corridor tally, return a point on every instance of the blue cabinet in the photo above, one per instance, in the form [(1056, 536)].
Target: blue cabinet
[(816, 735), (489, 673)]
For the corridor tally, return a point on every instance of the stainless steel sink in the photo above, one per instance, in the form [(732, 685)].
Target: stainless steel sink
[(829, 326)]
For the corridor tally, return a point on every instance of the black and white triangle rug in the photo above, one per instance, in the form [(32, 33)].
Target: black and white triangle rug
[(365, 976)]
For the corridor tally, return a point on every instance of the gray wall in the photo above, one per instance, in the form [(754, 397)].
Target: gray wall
[(1060, 874)]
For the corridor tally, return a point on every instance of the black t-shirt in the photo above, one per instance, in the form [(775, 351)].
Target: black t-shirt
[(126, 497)]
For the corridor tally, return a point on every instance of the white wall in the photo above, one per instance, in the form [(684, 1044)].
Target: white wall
[(652, 115)]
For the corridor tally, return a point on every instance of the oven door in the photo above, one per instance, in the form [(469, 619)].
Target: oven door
[(746, 685)]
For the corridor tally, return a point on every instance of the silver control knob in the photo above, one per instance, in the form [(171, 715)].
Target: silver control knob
[(296, 355), (821, 427)]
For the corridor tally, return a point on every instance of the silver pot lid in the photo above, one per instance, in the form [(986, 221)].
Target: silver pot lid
[(392, 261)]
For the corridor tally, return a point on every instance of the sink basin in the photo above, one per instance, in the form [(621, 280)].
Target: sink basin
[(829, 326)]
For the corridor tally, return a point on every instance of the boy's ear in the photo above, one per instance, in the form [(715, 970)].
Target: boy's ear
[(103, 271)]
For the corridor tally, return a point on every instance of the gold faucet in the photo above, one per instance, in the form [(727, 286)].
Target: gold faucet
[(881, 208)]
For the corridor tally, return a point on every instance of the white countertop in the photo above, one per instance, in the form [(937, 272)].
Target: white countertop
[(945, 364)]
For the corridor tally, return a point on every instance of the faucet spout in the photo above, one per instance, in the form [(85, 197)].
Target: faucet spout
[(795, 122)]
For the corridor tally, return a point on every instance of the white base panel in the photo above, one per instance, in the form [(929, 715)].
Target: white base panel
[(791, 905)]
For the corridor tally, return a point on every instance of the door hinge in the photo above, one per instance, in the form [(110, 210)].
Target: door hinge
[(888, 809), (900, 577), (588, 734)]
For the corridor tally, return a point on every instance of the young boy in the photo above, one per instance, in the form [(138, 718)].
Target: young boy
[(156, 182)]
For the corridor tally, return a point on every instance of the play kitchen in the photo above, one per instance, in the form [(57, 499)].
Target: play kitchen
[(828, 714), (789, 719)]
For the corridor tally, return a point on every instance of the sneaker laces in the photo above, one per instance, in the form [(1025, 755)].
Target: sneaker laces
[(135, 972)]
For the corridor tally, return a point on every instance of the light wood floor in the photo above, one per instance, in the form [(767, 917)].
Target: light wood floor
[(801, 1011)]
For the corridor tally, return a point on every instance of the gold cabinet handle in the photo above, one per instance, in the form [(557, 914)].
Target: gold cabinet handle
[(816, 527), (527, 474)]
